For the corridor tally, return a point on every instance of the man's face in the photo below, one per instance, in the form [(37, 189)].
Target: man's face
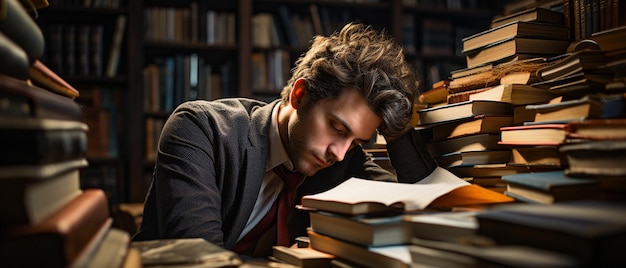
[(322, 133)]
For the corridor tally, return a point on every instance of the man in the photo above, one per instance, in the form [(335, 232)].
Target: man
[(215, 173)]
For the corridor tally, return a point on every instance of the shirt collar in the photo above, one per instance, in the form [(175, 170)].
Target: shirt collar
[(278, 155)]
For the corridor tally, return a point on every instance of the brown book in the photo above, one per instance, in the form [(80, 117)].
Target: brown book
[(520, 77), (494, 170), (612, 39), (474, 142), (515, 94), (580, 61), (597, 129), (387, 256), (502, 50), (587, 107), (535, 15), (516, 29), (469, 71), (470, 158), (61, 238), (597, 158), (464, 95), (437, 94), (540, 134), (34, 102), (302, 257), (547, 155), (468, 126), (462, 110), (33, 200)]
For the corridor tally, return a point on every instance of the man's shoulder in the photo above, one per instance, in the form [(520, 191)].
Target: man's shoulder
[(226, 107)]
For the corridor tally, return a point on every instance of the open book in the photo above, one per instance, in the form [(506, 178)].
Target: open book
[(360, 196)]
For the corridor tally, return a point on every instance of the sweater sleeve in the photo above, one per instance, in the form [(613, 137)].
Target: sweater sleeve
[(410, 157)]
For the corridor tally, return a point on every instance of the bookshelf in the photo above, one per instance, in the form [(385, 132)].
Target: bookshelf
[(81, 50)]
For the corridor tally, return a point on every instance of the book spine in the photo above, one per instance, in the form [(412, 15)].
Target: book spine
[(59, 239)]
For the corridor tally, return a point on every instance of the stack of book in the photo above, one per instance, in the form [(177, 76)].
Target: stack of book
[(44, 212), (371, 223)]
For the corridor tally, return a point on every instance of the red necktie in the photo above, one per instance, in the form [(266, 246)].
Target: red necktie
[(286, 202), (278, 212)]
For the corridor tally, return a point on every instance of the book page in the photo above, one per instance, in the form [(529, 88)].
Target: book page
[(414, 196)]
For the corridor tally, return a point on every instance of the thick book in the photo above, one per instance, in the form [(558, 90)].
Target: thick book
[(378, 230), (497, 52), (610, 39), (516, 29), (40, 171), (539, 134), (112, 250), (442, 226), (460, 110), (360, 196), (495, 170), (593, 232), (474, 252), (595, 158), (515, 94), (467, 143), (33, 200), (15, 60), (185, 251), (387, 256), (593, 106), (62, 237), (551, 187), (21, 29), (536, 155), (302, 257), (472, 125), (470, 158), (27, 101), (538, 14), (576, 62), (597, 129), (34, 141)]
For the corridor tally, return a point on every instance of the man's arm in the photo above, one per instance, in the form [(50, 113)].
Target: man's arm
[(410, 157)]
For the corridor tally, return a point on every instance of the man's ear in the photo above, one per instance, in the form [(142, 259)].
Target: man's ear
[(297, 93)]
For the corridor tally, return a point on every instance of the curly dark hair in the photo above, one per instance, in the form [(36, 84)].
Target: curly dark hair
[(360, 57)]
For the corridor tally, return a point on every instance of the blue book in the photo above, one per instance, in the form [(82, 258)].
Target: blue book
[(550, 187)]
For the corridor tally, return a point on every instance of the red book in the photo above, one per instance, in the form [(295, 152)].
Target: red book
[(60, 239)]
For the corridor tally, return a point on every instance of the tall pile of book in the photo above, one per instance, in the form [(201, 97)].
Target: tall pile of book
[(46, 219)]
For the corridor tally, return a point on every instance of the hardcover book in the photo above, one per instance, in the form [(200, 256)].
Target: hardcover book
[(388, 256), (537, 134), (594, 232), (576, 62), (597, 129), (588, 107), (515, 94), (468, 126), (462, 110), (381, 230), (595, 158), (537, 14), (550, 187), (302, 257), (497, 52), (468, 143), (516, 29), (185, 252), (470, 158)]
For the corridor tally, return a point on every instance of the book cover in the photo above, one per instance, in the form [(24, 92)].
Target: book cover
[(27, 101), (60, 238), (470, 158), (467, 143), (587, 107), (471, 125), (19, 27), (515, 29), (359, 196), (377, 230), (537, 14), (33, 200), (550, 187), (501, 50), (16, 62), (597, 129), (302, 257), (590, 231), (34, 141), (462, 110), (515, 94), (387, 256), (595, 158), (536, 134), (42, 76), (576, 62)]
